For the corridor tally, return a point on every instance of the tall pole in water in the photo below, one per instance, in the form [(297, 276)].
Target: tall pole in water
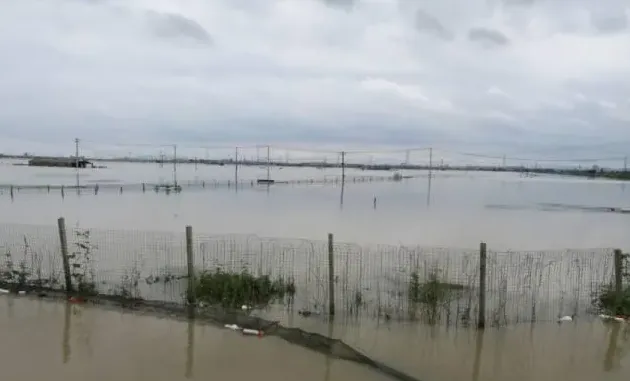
[(268, 163), (175, 165), (236, 166), (343, 167), (76, 160), (430, 159)]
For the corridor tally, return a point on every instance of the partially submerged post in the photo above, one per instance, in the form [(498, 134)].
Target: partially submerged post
[(618, 280), (481, 320), (190, 261), (63, 242), (331, 276)]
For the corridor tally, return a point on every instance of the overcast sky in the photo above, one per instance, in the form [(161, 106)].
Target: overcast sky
[(547, 76)]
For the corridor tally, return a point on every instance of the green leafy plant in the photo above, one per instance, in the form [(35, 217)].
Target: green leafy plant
[(234, 289), (81, 263), (609, 300)]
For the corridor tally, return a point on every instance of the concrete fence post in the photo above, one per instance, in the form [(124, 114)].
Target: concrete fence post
[(481, 320), (190, 261), (63, 242), (618, 279)]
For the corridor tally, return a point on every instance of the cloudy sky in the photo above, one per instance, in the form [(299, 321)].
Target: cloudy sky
[(547, 77)]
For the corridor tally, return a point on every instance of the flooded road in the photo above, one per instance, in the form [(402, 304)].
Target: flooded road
[(68, 342)]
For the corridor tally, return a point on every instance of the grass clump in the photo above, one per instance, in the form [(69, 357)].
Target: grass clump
[(234, 289)]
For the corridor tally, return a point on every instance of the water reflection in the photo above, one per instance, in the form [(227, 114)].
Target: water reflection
[(190, 344), (478, 351), (65, 342), (143, 348)]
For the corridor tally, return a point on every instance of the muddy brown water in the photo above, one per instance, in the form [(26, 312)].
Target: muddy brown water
[(51, 340)]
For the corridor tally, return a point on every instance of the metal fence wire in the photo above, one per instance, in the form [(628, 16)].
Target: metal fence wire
[(375, 281)]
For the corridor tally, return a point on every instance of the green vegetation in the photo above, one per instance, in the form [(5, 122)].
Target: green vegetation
[(432, 296), (609, 301), (81, 264), (13, 275), (232, 289)]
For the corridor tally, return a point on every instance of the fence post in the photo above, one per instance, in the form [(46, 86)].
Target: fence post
[(190, 260), (618, 279), (63, 241), (481, 320), (331, 276)]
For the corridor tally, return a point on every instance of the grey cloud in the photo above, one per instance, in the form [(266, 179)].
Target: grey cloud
[(426, 23), (345, 4), (610, 23), (170, 25), (488, 37)]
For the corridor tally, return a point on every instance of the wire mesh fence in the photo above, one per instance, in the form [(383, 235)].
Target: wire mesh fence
[(380, 281), (169, 187)]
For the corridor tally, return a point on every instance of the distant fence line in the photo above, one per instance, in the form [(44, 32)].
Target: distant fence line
[(193, 184), (453, 286)]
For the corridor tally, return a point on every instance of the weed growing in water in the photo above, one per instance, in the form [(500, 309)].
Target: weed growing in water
[(129, 281), (233, 290), (81, 263), (431, 296)]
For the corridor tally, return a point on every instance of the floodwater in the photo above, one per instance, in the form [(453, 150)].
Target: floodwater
[(46, 340), (454, 209), (53, 340)]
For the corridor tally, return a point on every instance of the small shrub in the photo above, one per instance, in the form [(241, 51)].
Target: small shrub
[(233, 290), (12, 274), (606, 301), (609, 301)]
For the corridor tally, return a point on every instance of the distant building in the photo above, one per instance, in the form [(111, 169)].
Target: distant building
[(67, 162)]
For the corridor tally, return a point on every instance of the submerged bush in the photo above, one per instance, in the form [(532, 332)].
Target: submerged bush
[(611, 302), (431, 297), (234, 289)]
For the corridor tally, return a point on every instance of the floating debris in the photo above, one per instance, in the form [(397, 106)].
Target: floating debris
[(253, 332), (565, 319), (233, 327), (3, 291)]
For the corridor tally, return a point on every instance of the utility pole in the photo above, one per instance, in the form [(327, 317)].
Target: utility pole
[(343, 167), (175, 165), (430, 159), (76, 160), (625, 164), (236, 166), (268, 164)]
